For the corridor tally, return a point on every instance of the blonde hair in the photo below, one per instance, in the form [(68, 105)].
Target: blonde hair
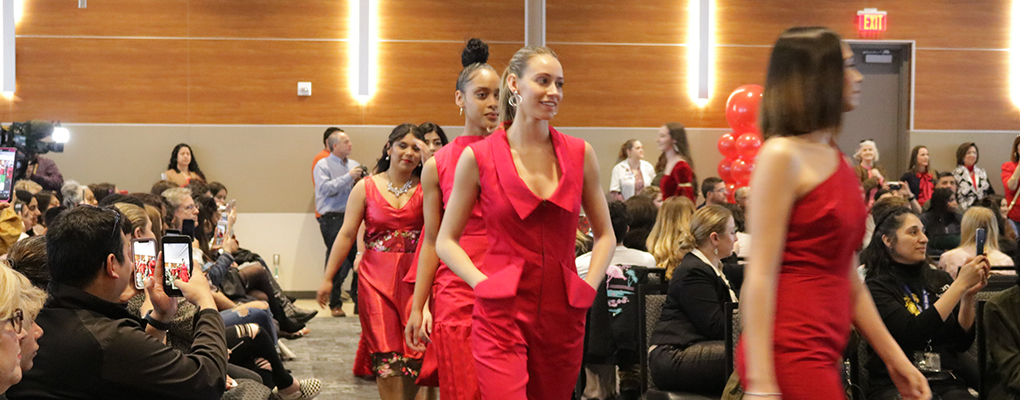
[(135, 214), (12, 290), (32, 298), (28, 186), (979, 217), (673, 221), (156, 219), (706, 221), (518, 64)]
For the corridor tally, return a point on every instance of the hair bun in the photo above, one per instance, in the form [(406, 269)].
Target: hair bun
[(475, 52)]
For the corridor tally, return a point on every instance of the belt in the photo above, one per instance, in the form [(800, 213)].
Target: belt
[(333, 214)]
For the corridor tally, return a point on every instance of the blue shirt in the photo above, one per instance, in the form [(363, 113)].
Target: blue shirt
[(333, 183)]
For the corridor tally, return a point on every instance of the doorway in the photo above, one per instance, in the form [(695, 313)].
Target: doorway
[(884, 111)]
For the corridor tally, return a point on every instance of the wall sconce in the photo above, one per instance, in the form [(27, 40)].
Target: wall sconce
[(363, 48), (1014, 53), (700, 52), (7, 20)]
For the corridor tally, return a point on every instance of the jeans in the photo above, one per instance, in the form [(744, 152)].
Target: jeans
[(329, 225), (242, 314)]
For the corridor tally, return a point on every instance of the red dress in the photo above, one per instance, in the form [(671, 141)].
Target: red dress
[(814, 304), (528, 323), (452, 299), (384, 298), (678, 182), (1007, 171)]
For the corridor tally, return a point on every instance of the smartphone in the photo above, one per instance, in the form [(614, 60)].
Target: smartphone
[(981, 238), (188, 228), (177, 262), (145, 260), (7, 156), (220, 234)]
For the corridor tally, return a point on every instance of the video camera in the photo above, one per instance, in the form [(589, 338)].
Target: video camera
[(31, 139)]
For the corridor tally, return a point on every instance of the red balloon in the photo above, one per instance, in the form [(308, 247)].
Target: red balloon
[(728, 146), (741, 171), (742, 107), (725, 166), (731, 188), (748, 144)]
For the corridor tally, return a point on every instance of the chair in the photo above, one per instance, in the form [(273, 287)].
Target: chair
[(651, 298), (982, 349), (733, 330)]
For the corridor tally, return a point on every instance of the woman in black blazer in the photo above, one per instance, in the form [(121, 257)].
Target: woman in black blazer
[(687, 352)]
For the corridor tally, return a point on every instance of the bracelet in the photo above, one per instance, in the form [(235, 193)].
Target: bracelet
[(155, 323), (763, 394)]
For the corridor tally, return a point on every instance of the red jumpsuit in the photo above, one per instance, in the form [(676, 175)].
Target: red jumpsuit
[(384, 298), (452, 299), (528, 323)]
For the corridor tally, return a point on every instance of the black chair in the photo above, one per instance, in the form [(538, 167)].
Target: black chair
[(982, 349), (732, 334), (651, 298)]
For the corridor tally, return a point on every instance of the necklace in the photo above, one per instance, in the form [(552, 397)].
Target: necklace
[(398, 192)]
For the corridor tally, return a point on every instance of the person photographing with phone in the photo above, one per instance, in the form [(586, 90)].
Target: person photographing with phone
[(335, 177), (94, 348)]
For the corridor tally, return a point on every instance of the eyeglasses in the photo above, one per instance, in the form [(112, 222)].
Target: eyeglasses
[(17, 320)]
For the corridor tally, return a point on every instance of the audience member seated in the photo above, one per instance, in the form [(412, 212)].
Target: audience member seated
[(161, 186), (1002, 335), (673, 222), (740, 196), (688, 353), (643, 212), (946, 180), (632, 173), (27, 186), (918, 306), (183, 167), (942, 222), (74, 194), (741, 249), (1007, 231), (18, 301), (199, 188), (219, 192), (654, 193), (46, 199), (971, 181), (93, 347), (627, 269), (27, 208), (976, 217), (101, 190), (919, 176), (884, 204), (713, 190)]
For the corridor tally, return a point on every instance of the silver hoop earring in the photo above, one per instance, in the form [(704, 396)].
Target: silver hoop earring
[(515, 100)]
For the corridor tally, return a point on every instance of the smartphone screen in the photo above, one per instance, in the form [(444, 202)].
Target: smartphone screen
[(176, 263), (220, 234), (145, 260), (6, 173)]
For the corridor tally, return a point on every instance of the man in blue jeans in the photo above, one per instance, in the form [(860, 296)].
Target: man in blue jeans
[(335, 176)]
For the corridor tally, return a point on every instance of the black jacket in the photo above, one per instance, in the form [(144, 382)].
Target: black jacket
[(94, 349), (694, 309), (913, 332)]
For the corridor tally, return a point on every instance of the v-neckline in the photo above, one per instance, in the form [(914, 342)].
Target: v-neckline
[(387, 201), (559, 163)]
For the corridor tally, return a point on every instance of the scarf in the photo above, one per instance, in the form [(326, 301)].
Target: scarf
[(926, 187)]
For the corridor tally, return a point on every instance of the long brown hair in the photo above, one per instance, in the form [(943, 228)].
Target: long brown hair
[(804, 83), (629, 144), (913, 161)]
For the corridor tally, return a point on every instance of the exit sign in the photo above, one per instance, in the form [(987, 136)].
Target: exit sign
[(871, 21)]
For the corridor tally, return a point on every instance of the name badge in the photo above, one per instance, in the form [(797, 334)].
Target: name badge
[(927, 361)]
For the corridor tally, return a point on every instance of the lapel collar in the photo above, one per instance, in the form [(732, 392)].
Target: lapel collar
[(521, 197)]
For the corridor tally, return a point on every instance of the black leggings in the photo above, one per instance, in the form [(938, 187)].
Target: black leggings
[(257, 283), (699, 368), (252, 348), (950, 389)]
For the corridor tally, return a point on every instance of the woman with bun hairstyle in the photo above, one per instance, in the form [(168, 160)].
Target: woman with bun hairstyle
[(530, 182), (448, 329), (801, 290)]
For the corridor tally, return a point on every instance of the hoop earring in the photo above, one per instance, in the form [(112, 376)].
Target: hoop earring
[(515, 100)]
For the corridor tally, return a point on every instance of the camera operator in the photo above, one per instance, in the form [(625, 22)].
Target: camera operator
[(44, 171)]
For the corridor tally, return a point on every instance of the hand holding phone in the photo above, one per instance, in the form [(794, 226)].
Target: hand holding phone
[(144, 251), (164, 307), (177, 263), (980, 238)]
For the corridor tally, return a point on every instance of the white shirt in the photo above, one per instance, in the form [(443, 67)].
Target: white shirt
[(718, 271), (952, 260), (743, 247), (623, 256), (622, 178)]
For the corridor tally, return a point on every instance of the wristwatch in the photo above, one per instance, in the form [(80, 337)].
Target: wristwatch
[(155, 323)]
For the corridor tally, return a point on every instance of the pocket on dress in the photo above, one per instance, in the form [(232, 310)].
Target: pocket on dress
[(502, 284), (579, 293)]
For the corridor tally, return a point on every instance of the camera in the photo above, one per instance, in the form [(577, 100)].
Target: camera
[(895, 186), (32, 138)]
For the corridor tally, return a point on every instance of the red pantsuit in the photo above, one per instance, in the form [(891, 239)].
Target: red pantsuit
[(528, 325)]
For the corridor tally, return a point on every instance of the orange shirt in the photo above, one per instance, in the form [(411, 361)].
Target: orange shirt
[(322, 154)]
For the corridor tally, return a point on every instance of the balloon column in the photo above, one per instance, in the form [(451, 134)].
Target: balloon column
[(740, 147)]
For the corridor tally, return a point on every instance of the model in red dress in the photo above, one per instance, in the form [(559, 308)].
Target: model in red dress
[(801, 290), (530, 181), (450, 298), (678, 179), (393, 223)]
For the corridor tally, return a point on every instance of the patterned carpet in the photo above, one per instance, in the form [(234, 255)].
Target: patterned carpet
[(328, 354)]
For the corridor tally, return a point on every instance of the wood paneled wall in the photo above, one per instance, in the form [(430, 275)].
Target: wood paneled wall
[(238, 62)]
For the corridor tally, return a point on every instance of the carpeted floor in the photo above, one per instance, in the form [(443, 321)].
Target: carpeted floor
[(328, 354)]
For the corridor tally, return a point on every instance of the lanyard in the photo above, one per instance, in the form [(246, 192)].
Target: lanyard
[(924, 298)]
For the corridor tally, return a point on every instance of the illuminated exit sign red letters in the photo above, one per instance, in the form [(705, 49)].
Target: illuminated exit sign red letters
[(871, 21)]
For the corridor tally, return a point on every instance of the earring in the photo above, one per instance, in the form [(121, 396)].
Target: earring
[(515, 100), (462, 111), (717, 252), (387, 157)]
